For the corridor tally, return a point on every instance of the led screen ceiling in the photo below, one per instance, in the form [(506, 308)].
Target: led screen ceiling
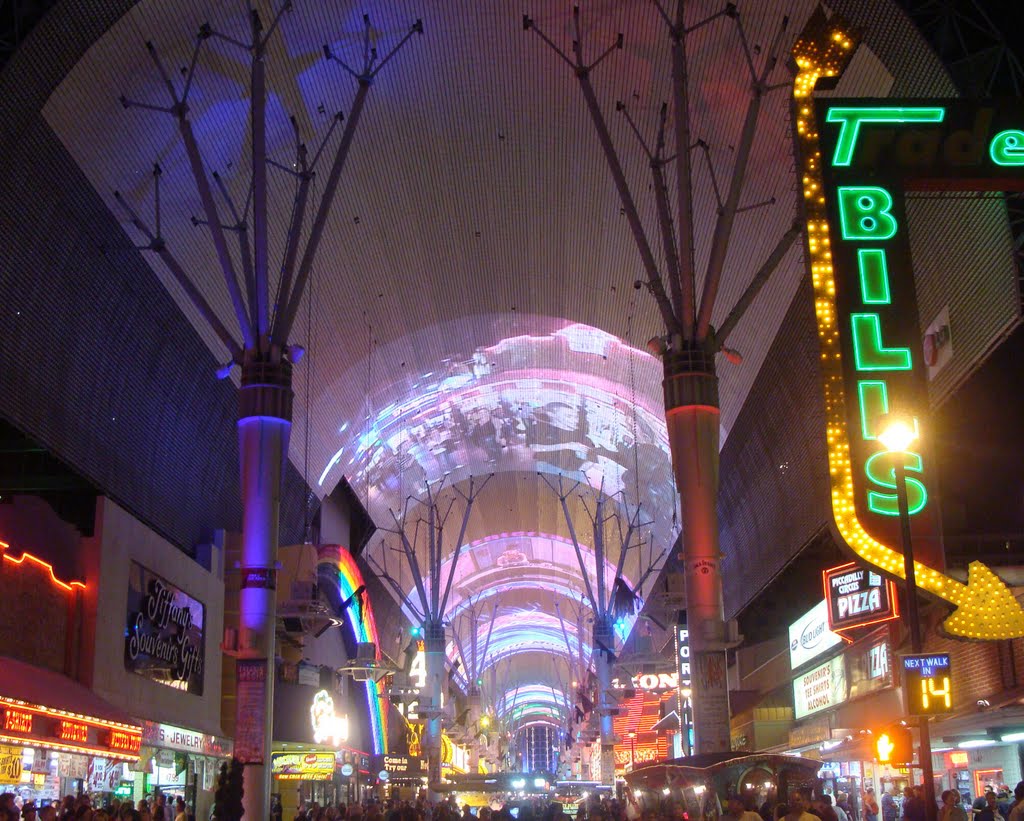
[(561, 398), (558, 400)]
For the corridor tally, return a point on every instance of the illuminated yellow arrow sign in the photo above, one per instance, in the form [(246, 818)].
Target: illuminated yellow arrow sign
[(984, 607)]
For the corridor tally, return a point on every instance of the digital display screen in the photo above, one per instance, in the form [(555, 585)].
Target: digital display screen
[(928, 684)]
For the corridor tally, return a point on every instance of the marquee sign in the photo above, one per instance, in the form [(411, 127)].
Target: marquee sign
[(46, 728), (858, 157), (164, 640), (857, 597)]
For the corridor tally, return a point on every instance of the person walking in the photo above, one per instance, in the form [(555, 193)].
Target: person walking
[(869, 811), (951, 809), (1017, 810), (991, 809), (890, 807)]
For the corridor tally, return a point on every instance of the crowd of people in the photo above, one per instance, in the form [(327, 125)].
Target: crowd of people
[(422, 810), (804, 806), (80, 808)]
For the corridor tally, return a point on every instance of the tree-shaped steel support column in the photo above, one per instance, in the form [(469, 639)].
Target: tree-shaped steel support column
[(473, 651), (433, 589), (606, 604), (690, 343), (264, 355)]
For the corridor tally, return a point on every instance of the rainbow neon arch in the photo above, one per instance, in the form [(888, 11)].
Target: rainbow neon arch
[(338, 564)]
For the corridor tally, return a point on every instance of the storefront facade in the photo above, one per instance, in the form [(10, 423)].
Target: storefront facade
[(156, 633), (315, 754), (57, 737), (844, 689)]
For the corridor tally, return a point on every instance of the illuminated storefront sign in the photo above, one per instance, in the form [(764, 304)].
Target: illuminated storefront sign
[(635, 755), (125, 742), (72, 731), (821, 688), (47, 728), (649, 682), (957, 759), (17, 721), (683, 677), (928, 684), (868, 668), (303, 766), (170, 737), (809, 636), (164, 637), (403, 765), (857, 159), (857, 597)]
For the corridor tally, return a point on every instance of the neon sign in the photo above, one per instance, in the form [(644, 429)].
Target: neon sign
[(17, 721), (128, 742), (857, 597), (328, 726), (649, 682), (857, 158), (72, 731)]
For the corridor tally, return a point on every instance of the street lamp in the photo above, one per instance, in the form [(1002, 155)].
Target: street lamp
[(632, 751), (897, 433)]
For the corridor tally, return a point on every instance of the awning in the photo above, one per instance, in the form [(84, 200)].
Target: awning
[(44, 709)]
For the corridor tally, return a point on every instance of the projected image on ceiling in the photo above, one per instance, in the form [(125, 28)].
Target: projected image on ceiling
[(574, 401)]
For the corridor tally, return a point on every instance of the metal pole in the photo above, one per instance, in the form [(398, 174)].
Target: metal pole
[(684, 182), (914, 622), (604, 641), (692, 416), (264, 425), (433, 645)]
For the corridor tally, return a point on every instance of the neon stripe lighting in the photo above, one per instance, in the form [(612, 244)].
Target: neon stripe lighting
[(558, 569), (350, 579), (524, 632), (69, 586), (51, 711), (99, 752), (530, 696)]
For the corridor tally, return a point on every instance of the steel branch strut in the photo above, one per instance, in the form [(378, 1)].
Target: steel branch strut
[(582, 74)]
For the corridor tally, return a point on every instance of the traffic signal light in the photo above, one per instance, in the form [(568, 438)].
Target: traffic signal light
[(416, 631), (894, 745)]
